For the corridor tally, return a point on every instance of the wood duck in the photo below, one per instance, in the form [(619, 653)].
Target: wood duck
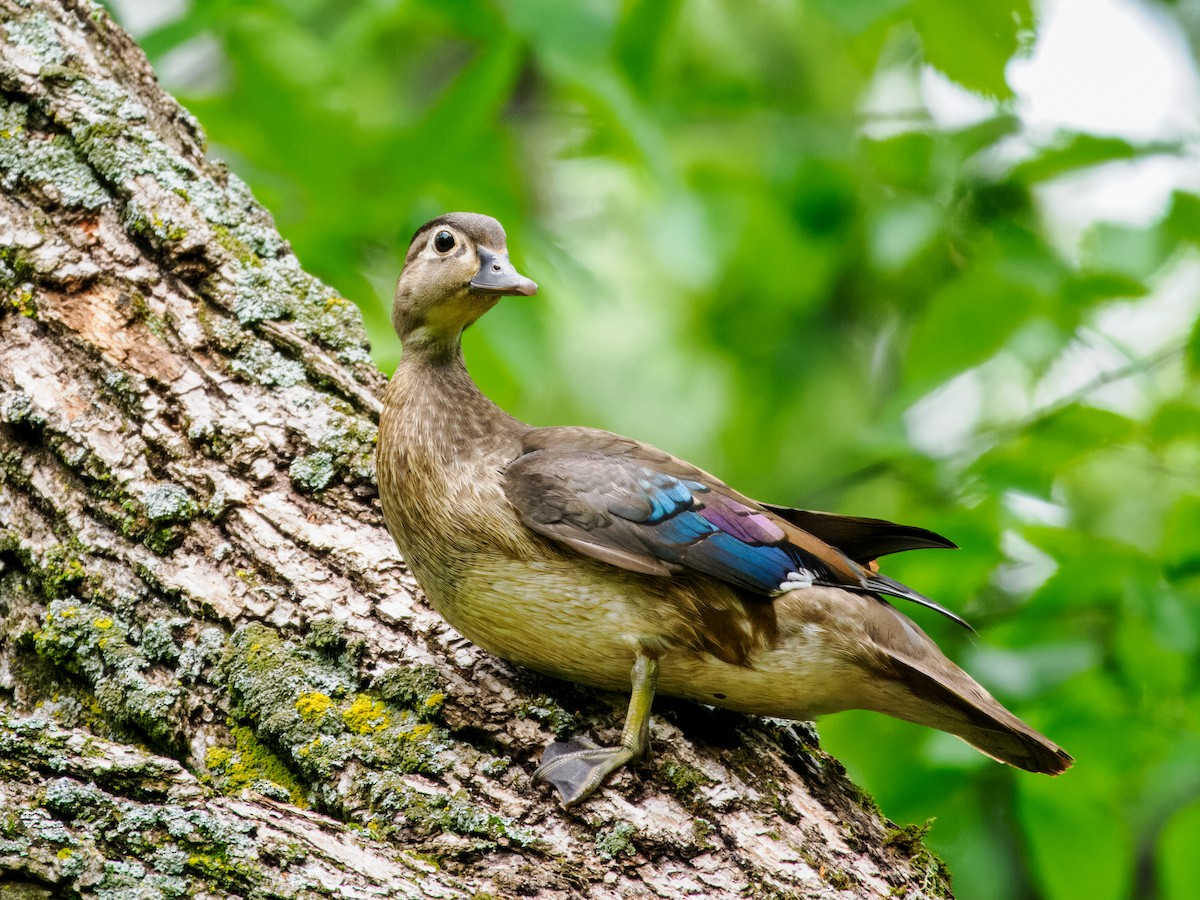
[(598, 559)]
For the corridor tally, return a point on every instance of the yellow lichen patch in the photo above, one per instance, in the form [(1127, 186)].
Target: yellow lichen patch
[(65, 853), (103, 623), (366, 716), (247, 763), (417, 732), (434, 701), (216, 757), (313, 705)]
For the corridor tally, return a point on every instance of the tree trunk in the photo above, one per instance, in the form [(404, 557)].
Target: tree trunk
[(216, 677)]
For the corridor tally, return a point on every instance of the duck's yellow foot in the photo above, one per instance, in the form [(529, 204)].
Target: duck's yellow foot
[(578, 767)]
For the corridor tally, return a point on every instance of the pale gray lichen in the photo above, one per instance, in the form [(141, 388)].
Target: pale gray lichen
[(259, 361), (266, 292), (167, 502), (243, 217), (144, 220), (35, 34), (345, 450), (157, 641), (429, 813), (16, 408), (92, 642), (49, 163), (199, 655), (313, 472)]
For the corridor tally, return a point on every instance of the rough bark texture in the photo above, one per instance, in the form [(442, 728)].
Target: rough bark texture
[(216, 677)]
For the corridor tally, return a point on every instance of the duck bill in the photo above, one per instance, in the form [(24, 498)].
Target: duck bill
[(497, 276)]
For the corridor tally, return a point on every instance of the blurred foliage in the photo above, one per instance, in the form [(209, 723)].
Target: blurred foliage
[(761, 249)]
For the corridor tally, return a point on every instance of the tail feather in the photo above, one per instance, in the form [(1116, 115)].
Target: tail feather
[(919, 684), (979, 719)]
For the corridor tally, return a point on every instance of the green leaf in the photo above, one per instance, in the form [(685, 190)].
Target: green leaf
[(1075, 152), (1181, 541), (971, 43), (1078, 841), (1178, 863), (952, 335), (1132, 251), (1183, 219), (1175, 422), (1076, 429), (856, 16), (904, 161), (1193, 349)]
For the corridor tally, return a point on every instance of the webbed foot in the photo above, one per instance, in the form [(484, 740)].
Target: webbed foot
[(578, 767)]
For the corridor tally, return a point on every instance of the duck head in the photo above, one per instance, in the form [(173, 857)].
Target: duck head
[(457, 268)]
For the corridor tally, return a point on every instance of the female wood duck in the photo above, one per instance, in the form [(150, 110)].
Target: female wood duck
[(602, 560)]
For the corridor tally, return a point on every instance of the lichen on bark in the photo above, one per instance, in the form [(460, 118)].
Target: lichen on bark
[(205, 630)]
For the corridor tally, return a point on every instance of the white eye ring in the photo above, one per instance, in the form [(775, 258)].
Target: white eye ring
[(443, 241)]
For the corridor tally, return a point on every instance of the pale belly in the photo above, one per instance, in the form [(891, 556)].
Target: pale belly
[(586, 623)]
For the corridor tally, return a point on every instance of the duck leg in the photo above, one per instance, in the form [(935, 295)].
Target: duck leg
[(579, 766)]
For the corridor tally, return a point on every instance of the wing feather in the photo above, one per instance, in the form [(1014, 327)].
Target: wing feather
[(633, 506)]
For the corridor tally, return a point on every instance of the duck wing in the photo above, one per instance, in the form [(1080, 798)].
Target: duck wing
[(636, 507)]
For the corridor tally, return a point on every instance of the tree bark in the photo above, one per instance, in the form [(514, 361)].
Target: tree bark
[(217, 678)]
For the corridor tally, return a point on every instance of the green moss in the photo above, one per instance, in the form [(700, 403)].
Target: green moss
[(683, 780), (124, 390), (235, 877), (326, 635), (16, 408), (149, 223), (909, 842), (838, 879), (435, 813), (417, 687), (17, 266), (21, 300), (548, 712), (62, 573), (159, 518), (308, 707), (250, 764), (86, 640), (616, 840), (238, 248)]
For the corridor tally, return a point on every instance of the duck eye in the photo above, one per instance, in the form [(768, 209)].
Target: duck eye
[(443, 241)]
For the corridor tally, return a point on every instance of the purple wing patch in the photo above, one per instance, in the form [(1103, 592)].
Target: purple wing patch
[(739, 521)]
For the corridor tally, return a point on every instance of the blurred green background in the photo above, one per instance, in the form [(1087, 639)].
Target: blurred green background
[(886, 257)]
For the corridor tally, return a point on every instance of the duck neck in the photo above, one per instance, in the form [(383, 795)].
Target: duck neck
[(444, 408)]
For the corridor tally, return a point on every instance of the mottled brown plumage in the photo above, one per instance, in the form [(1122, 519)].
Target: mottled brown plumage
[(604, 561)]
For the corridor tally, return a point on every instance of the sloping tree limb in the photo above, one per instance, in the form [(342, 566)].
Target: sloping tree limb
[(213, 664)]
